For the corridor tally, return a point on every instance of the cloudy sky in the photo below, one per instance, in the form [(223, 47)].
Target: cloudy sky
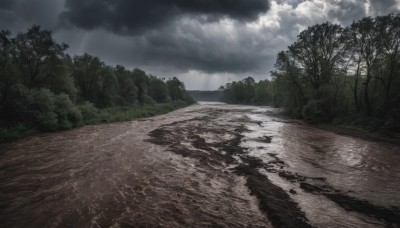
[(204, 43)]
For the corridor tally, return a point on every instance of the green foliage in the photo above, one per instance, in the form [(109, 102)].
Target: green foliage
[(16, 132), (128, 93), (88, 111), (42, 107), (118, 114), (37, 56), (248, 91), (335, 74), (263, 93), (177, 91), (158, 90), (43, 89), (68, 114), (207, 95), (332, 72), (146, 99), (315, 111)]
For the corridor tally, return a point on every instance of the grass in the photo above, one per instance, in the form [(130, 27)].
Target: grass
[(120, 114), (17, 132), (107, 115)]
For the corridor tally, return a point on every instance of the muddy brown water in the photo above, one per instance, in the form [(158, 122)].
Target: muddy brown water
[(208, 165)]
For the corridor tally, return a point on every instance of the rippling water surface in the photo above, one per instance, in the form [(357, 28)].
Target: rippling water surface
[(180, 169)]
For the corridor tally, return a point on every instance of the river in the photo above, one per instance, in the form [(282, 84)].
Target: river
[(207, 165)]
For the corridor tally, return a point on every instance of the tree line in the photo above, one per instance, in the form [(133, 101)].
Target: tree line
[(248, 91), (336, 73), (206, 95), (42, 87)]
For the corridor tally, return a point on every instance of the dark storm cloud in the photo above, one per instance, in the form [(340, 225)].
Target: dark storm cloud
[(383, 6), (125, 16), (17, 15), (204, 42), (6, 4), (198, 37), (348, 11), (188, 45)]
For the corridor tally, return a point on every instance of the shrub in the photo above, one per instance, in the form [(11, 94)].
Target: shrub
[(314, 111), (15, 132), (88, 111), (148, 100), (43, 108), (68, 114)]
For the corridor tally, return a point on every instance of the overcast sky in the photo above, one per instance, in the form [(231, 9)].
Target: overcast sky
[(204, 43)]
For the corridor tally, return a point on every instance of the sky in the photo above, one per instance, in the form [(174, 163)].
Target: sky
[(204, 43)]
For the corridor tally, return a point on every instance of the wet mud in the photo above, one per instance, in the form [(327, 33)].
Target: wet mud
[(208, 165), (277, 205)]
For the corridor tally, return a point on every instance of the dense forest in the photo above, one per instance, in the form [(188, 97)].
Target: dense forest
[(248, 91), (43, 89), (206, 95), (348, 75)]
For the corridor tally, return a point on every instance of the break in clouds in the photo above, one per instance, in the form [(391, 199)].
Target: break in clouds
[(204, 43)]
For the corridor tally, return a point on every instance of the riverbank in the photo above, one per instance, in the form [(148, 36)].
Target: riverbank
[(93, 117), (348, 130), (356, 127), (360, 127)]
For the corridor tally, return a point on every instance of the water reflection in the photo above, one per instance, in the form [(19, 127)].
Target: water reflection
[(363, 169)]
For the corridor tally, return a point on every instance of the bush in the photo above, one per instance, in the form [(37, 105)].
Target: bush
[(315, 112), (16, 132), (392, 122), (42, 109), (42, 106), (88, 111), (148, 100), (68, 114)]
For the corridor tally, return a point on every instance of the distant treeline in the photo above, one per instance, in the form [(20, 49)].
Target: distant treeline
[(206, 95), (332, 73), (43, 88), (248, 91)]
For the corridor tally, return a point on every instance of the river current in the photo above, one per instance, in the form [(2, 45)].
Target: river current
[(206, 165)]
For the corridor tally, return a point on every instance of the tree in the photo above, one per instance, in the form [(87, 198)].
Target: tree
[(107, 95), (158, 90), (86, 72), (389, 42), (365, 40), (319, 50), (311, 71), (263, 93), (177, 91), (39, 57), (141, 82), (289, 84), (128, 92), (43, 88), (175, 88), (6, 66)]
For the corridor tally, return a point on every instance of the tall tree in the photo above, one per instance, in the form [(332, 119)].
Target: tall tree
[(128, 92), (6, 66), (319, 50), (365, 39), (87, 70), (38, 56), (389, 41)]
